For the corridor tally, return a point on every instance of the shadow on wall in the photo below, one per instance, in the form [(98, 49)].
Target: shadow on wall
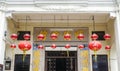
[(1, 67)]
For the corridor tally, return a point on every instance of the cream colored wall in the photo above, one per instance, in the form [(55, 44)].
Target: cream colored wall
[(30, 27), (113, 52), (10, 30)]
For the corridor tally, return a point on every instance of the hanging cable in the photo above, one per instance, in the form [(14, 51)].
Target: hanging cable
[(54, 21), (67, 21), (26, 24), (41, 20), (93, 19)]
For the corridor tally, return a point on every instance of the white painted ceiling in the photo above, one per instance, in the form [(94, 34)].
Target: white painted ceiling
[(62, 0), (61, 17)]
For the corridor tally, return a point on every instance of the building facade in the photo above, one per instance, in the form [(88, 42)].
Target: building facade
[(61, 17)]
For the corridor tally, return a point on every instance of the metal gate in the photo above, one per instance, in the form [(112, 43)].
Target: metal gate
[(60, 61)]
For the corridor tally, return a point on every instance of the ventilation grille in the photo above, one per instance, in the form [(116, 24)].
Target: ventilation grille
[(21, 34)]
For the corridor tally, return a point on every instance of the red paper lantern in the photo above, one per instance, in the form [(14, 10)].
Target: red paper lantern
[(94, 36), (95, 45), (41, 37), (81, 46), (67, 36), (26, 36), (80, 36), (13, 46), (14, 36), (40, 47), (53, 36), (53, 46), (24, 45), (107, 36), (107, 47), (67, 46)]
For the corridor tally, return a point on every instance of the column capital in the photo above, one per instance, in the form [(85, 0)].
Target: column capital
[(3, 5)]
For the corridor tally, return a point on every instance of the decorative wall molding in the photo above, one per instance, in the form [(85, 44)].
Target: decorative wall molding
[(2, 6), (57, 5), (39, 2)]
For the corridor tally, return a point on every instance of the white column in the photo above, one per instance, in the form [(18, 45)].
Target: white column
[(117, 39), (3, 26)]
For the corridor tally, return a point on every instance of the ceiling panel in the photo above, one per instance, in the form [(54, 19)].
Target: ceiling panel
[(61, 17)]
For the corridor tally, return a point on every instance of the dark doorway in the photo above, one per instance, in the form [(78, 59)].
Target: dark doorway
[(101, 64), (60, 64), (59, 61), (21, 65)]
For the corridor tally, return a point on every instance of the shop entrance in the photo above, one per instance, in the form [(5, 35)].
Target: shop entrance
[(61, 61)]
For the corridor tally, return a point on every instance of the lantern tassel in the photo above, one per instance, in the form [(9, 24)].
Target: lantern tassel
[(67, 53), (108, 54), (109, 60), (95, 56), (40, 54), (12, 53), (24, 54)]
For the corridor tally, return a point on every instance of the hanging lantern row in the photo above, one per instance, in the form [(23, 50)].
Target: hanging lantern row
[(67, 46), (95, 36), (54, 36), (25, 45), (15, 36), (67, 36)]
